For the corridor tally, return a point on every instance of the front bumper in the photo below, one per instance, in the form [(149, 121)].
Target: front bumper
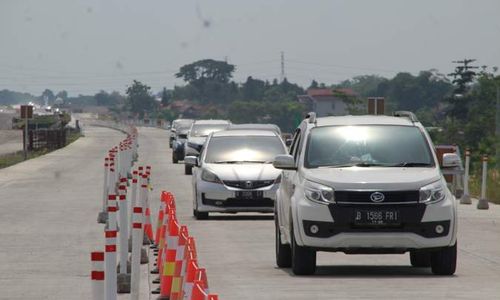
[(214, 197), (332, 227)]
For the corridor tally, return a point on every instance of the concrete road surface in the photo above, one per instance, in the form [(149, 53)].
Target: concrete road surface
[(238, 252), (48, 210)]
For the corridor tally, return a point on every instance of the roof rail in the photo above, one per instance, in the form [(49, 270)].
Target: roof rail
[(406, 114), (312, 117)]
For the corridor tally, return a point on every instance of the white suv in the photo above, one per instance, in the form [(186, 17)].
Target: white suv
[(364, 185)]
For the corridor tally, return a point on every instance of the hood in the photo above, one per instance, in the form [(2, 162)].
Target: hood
[(199, 140), (244, 171), (373, 178)]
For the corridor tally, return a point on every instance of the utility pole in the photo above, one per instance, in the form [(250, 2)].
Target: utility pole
[(282, 66), (463, 74)]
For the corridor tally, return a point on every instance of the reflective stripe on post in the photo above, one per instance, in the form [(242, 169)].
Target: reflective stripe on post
[(97, 275)]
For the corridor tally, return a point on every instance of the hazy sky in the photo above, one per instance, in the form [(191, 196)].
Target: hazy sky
[(83, 46)]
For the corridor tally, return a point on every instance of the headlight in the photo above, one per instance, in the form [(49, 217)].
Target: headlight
[(432, 193), (318, 193), (209, 177), (278, 179)]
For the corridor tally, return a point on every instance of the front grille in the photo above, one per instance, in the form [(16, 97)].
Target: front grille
[(248, 184), (389, 196), (233, 202)]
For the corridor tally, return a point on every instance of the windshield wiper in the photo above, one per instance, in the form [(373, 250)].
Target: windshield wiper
[(240, 162), (411, 164), (359, 164)]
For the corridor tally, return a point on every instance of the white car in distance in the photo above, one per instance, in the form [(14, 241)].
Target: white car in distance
[(234, 172)]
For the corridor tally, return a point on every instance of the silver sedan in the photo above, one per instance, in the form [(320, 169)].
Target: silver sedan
[(234, 172)]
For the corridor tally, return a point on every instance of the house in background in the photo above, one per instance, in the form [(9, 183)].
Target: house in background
[(326, 102)]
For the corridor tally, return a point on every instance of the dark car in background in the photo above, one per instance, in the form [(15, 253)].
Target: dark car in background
[(178, 145), (179, 125)]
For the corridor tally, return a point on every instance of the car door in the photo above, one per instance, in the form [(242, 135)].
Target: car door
[(287, 181)]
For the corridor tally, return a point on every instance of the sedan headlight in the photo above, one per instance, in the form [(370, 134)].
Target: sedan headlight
[(432, 193), (319, 193), (209, 176)]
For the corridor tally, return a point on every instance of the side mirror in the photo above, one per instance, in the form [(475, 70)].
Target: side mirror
[(451, 160), (288, 142), (284, 162), (173, 130), (191, 160)]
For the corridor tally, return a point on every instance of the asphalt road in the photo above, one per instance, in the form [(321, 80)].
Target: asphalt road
[(48, 208), (238, 252)]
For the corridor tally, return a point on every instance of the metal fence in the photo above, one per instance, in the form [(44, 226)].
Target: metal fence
[(47, 139)]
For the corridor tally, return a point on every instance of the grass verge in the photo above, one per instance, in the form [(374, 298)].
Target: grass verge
[(11, 159), (492, 186)]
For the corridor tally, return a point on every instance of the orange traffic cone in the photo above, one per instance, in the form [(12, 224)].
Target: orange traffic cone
[(198, 291), (179, 261), (169, 263)]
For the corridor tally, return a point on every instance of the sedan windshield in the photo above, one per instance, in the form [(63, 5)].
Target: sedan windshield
[(205, 130), (366, 146), (243, 149)]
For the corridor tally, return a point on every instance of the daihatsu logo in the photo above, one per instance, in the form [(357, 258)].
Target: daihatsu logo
[(377, 197)]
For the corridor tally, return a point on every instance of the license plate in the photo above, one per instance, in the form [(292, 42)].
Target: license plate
[(249, 194), (376, 217)]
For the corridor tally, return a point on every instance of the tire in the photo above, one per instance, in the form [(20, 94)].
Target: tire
[(444, 261), (198, 214), (174, 159), (188, 170), (283, 251), (303, 258), (420, 259)]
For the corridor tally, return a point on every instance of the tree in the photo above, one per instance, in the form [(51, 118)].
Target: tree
[(49, 96), (253, 89), (62, 94), (314, 85), (166, 96), (140, 100), (201, 71)]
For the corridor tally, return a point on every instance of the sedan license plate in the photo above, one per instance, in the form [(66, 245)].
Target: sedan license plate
[(376, 217), (249, 194)]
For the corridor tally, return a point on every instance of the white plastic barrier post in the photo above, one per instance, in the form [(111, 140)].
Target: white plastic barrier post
[(97, 275), (133, 197), (136, 253), (466, 196), (110, 263), (103, 214), (483, 201), (124, 226)]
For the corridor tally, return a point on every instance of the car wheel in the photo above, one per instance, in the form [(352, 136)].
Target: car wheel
[(420, 259), (188, 170), (198, 214), (303, 258), (444, 261), (283, 251), (174, 159)]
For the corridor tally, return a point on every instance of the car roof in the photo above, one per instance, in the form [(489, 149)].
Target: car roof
[(364, 120), (208, 122), (251, 126), (243, 132)]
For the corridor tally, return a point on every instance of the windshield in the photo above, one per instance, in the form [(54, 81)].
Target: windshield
[(234, 149), (205, 130), (374, 145)]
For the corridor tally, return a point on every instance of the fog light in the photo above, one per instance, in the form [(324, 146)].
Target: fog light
[(218, 203), (314, 229), (439, 229)]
